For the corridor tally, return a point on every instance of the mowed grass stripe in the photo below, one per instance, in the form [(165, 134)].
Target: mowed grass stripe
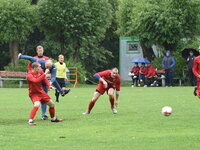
[(139, 124)]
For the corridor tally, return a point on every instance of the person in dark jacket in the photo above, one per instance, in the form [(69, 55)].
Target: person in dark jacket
[(168, 63), (190, 61)]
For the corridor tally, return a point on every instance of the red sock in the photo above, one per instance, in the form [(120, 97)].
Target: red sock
[(52, 112), (90, 106), (33, 112), (112, 102)]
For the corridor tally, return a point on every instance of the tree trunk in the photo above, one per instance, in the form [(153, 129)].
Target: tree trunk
[(62, 42), (62, 46), (34, 2), (14, 50), (75, 53), (169, 46), (147, 51)]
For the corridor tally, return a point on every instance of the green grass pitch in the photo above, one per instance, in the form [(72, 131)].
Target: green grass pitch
[(139, 124)]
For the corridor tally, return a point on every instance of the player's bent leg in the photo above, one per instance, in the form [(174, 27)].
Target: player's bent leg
[(62, 92), (92, 102), (57, 96), (64, 88), (30, 58), (44, 108), (37, 104), (50, 103), (33, 113), (195, 91), (111, 97), (52, 112), (112, 100)]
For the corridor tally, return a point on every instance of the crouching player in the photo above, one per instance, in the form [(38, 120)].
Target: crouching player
[(109, 80), (37, 94)]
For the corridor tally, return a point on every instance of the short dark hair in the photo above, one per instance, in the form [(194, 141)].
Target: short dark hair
[(35, 65), (114, 68)]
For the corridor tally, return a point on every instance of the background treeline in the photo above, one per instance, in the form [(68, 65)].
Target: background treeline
[(87, 31)]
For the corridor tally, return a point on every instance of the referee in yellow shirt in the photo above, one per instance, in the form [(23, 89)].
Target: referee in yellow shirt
[(61, 75)]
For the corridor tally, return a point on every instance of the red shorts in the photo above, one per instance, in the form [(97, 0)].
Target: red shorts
[(43, 98), (101, 89)]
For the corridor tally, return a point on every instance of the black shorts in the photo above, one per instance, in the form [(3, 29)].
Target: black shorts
[(61, 82)]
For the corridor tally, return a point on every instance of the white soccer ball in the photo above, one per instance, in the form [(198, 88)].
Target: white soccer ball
[(166, 110)]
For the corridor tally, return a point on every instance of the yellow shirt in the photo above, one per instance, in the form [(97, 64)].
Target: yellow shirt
[(61, 70)]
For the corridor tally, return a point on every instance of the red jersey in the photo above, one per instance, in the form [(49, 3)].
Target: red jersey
[(143, 70), (30, 63), (196, 67), (114, 82), (135, 70), (196, 71), (150, 71), (35, 82)]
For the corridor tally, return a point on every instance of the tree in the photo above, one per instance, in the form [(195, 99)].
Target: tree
[(33, 2), (111, 40), (78, 26), (160, 22), (17, 21), (4, 55)]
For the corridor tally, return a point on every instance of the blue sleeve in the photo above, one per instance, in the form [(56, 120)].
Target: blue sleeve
[(173, 63), (41, 61), (163, 65), (33, 59), (53, 73), (97, 76)]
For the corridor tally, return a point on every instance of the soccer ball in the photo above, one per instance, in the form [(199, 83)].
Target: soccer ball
[(166, 110)]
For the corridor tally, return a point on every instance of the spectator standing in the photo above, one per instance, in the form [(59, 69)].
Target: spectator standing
[(168, 63)]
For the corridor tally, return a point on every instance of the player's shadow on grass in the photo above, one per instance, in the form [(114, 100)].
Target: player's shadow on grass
[(8, 122)]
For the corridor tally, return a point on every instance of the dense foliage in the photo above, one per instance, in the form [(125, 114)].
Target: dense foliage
[(85, 30), (78, 26), (17, 20), (160, 22)]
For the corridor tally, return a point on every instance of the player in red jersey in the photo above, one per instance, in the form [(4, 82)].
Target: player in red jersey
[(40, 52), (196, 71), (151, 72), (134, 73), (142, 73), (37, 94), (109, 80)]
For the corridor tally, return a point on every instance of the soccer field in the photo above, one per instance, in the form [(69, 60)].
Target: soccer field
[(139, 124)]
